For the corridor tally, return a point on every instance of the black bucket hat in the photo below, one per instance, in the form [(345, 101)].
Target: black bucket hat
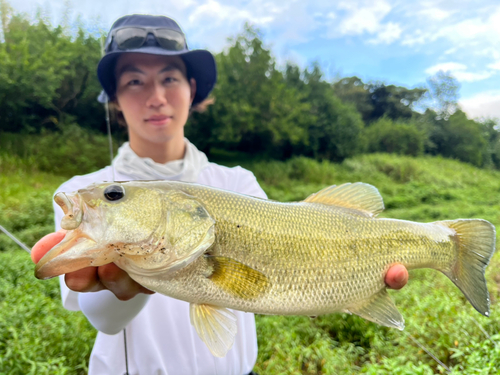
[(162, 36)]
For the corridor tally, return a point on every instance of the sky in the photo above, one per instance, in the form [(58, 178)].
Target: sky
[(393, 41)]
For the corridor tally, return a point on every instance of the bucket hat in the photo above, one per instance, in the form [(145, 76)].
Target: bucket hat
[(155, 35)]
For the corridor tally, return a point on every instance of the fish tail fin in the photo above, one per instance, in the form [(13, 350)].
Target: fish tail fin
[(476, 244)]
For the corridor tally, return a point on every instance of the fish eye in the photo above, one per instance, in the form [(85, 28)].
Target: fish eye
[(114, 192)]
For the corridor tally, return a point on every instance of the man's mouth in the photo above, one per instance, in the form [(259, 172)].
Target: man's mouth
[(159, 120)]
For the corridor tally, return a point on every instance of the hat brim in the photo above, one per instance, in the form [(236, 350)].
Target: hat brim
[(200, 65)]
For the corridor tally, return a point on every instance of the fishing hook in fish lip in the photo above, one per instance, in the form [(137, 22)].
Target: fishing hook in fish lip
[(73, 210), (76, 251)]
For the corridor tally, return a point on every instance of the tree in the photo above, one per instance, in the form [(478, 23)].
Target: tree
[(47, 77), (460, 138), (334, 128), (443, 93), (254, 110), (490, 128), (376, 100), (395, 102)]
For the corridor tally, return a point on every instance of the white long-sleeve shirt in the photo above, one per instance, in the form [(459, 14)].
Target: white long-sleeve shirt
[(160, 337)]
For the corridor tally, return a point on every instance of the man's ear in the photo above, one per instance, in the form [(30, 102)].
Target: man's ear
[(192, 84)]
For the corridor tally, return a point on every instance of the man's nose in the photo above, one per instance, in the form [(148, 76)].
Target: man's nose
[(157, 97)]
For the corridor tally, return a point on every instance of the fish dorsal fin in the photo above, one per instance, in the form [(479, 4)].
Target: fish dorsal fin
[(215, 325), (357, 196)]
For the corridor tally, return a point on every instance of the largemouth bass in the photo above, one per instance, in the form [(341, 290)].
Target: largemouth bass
[(220, 250)]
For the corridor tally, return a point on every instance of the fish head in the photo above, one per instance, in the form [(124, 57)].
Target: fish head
[(101, 220), (141, 226)]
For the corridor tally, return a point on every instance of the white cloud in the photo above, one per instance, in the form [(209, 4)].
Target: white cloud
[(485, 104), (464, 27), (459, 71), (388, 33), (435, 13), (495, 65), (446, 67), (218, 13), (363, 17)]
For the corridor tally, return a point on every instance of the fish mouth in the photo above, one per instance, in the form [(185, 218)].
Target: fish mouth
[(74, 252), (77, 250)]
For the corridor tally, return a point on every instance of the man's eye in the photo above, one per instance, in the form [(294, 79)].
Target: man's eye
[(134, 82), (170, 79)]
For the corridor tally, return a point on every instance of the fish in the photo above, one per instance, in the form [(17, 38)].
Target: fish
[(222, 251)]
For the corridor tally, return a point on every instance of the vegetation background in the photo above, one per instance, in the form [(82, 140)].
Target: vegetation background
[(298, 133)]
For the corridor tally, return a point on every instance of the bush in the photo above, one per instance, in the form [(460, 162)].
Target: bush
[(28, 221), (394, 137), (71, 151)]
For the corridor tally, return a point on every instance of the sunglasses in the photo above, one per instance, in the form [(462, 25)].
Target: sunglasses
[(135, 37)]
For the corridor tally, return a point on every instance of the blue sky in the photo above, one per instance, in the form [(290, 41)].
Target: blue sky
[(395, 41)]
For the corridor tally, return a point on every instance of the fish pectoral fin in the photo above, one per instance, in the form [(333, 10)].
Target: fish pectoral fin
[(379, 309), (358, 196), (237, 278), (216, 327)]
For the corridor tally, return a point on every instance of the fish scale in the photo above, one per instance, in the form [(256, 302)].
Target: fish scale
[(220, 250)]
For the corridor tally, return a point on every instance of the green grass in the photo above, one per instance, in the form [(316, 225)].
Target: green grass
[(38, 336)]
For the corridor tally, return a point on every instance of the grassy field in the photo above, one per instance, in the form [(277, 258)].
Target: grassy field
[(37, 336)]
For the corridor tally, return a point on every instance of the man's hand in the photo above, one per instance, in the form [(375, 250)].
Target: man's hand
[(396, 277), (92, 279)]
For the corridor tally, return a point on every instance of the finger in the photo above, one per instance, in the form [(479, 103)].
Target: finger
[(45, 244), (119, 282), (397, 276), (84, 280)]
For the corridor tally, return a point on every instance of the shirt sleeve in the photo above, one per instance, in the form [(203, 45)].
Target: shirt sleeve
[(246, 183)]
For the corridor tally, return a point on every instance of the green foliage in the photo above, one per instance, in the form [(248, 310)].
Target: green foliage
[(254, 109), (393, 101), (37, 336), (377, 100), (460, 138), (394, 137), (335, 131), (70, 151), (30, 220), (46, 75), (48, 81), (260, 109)]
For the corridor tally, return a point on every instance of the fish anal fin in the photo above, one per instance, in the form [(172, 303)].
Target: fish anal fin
[(357, 196), (237, 278), (216, 327), (379, 309)]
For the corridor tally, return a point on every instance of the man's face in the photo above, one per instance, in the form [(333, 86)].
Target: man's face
[(154, 96)]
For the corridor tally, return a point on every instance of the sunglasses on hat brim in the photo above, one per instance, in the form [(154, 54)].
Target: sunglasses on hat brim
[(132, 37)]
